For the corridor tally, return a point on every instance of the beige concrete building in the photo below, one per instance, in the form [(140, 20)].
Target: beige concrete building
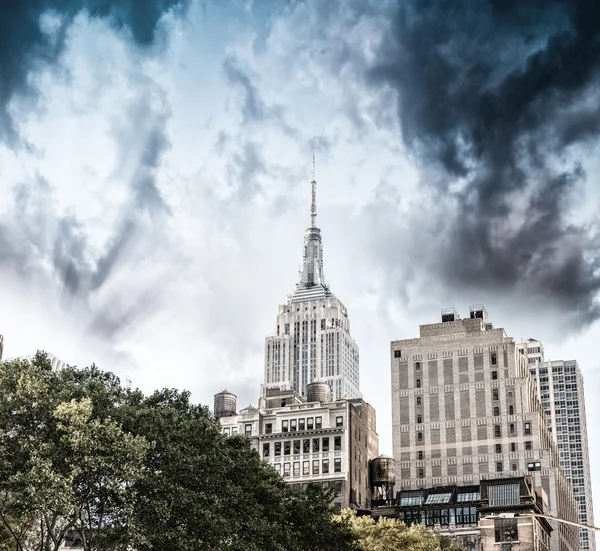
[(465, 409), (559, 386), (323, 442)]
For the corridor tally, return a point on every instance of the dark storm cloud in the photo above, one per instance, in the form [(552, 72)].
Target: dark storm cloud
[(23, 43), (502, 97)]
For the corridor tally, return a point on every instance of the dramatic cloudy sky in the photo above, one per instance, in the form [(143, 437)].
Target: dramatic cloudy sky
[(155, 163)]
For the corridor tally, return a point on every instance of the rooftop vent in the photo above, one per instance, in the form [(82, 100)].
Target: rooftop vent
[(477, 311), (449, 314)]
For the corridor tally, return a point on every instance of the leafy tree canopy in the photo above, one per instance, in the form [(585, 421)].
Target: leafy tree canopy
[(82, 454)]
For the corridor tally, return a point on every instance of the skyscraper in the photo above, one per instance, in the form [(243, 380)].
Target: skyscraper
[(465, 409), (312, 340), (559, 386)]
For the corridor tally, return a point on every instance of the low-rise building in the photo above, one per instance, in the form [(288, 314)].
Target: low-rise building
[(493, 515), (311, 440)]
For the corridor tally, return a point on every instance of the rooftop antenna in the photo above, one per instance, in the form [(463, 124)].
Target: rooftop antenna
[(313, 205)]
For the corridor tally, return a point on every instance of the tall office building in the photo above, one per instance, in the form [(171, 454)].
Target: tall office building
[(312, 341), (465, 409), (559, 386)]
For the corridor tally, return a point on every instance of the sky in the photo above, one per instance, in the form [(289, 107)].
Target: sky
[(155, 167)]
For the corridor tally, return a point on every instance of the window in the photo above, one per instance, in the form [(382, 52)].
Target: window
[(494, 375), (226, 431), (420, 456), (418, 383), (499, 467), (496, 411), (296, 471), (337, 465), (300, 424), (397, 353), (534, 466), (417, 366), (316, 444), (278, 467), (514, 467), (326, 444), (306, 468), (293, 425), (337, 443), (325, 466), (268, 428), (438, 498), (310, 423), (527, 429), (286, 470), (284, 425), (419, 437), (495, 394), (497, 431), (498, 448), (418, 400), (287, 328), (528, 445), (323, 322), (467, 496), (248, 429), (503, 494), (266, 450), (339, 421), (410, 498), (511, 428), (318, 422), (511, 410), (494, 358), (305, 446), (513, 446), (296, 447), (287, 448), (234, 431), (277, 448), (505, 529), (421, 473), (419, 419)]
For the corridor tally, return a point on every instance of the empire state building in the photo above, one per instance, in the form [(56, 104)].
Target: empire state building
[(312, 341)]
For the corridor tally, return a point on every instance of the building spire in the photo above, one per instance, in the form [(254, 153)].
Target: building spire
[(313, 205)]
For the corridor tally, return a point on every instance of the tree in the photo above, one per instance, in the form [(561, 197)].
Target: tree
[(61, 468), (206, 491), (393, 535), (80, 454)]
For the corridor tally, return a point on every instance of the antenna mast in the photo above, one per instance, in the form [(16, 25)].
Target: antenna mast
[(313, 205)]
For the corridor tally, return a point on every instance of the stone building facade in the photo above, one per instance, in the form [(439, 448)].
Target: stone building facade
[(312, 339), (559, 386), (464, 409), (328, 443)]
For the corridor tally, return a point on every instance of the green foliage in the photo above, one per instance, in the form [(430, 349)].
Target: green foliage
[(81, 453), (392, 535)]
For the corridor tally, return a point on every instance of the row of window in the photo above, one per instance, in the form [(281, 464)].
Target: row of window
[(534, 466), (457, 515), (308, 423), (318, 467), (512, 431), (498, 449), (335, 485), (296, 447)]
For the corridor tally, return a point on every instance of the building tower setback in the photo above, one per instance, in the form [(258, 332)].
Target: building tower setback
[(465, 409), (559, 386), (312, 340)]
